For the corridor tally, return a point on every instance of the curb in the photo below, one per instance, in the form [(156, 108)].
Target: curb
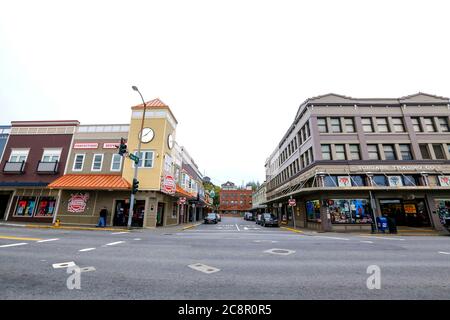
[(291, 229), (63, 227), (191, 226)]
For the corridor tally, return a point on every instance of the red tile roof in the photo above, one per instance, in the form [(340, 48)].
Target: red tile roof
[(155, 104), (90, 182)]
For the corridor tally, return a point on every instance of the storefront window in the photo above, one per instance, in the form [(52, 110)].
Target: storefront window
[(443, 209), (349, 211), (330, 181), (46, 207), (379, 180), (313, 210), (25, 206), (358, 181), (410, 181)]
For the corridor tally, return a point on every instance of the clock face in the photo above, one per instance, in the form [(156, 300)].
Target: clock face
[(170, 141), (146, 135)]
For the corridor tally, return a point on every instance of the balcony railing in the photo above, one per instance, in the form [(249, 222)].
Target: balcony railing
[(47, 167), (14, 167)]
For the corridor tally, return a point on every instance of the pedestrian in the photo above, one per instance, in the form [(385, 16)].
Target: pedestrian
[(102, 220)]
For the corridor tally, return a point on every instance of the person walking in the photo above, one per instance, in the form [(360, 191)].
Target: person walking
[(102, 220)]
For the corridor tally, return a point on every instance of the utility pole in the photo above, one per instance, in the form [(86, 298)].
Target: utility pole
[(136, 164)]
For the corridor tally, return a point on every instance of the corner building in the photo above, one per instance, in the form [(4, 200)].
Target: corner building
[(347, 161)]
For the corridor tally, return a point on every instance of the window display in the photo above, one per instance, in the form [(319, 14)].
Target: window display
[(349, 211), (443, 209), (25, 206), (313, 210), (46, 207)]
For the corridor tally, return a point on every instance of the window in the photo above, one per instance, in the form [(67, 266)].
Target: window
[(379, 180), (97, 162), (405, 151), (367, 124), (349, 211), (18, 155), (330, 181), (398, 125), (438, 151), (410, 180), (424, 151), (382, 125), (374, 154), (340, 152), (313, 210), (78, 163), (146, 160), (349, 125), (416, 124), (307, 132), (25, 206), (46, 207), (322, 124), (326, 152), (443, 124), (358, 181), (336, 125), (354, 152), (174, 210), (429, 124), (389, 152), (51, 155), (116, 162)]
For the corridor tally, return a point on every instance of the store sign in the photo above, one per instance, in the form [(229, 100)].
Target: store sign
[(410, 208), (85, 146), (109, 145), (168, 184), (395, 181), (397, 168), (182, 200), (444, 181), (77, 202), (292, 202), (344, 181)]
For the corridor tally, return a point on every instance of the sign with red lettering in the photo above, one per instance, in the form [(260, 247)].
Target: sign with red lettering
[(168, 184), (344, 181), (77, 202), (109, 145), (292, 203), (85, 145)]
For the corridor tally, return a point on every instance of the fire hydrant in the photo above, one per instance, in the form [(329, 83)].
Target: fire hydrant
[(57, 223)]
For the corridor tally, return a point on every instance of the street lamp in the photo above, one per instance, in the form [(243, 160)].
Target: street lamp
[(136, 165)]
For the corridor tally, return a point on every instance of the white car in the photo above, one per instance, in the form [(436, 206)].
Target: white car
[(219, 218)]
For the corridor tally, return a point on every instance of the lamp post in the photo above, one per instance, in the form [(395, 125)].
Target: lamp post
[(136, 165)]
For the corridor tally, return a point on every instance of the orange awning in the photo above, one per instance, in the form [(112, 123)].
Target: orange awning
[(90, 182), (183, 193)]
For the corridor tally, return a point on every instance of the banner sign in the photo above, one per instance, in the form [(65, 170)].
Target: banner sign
[(109, 145), (292, 202), (444, 181), (168, 184), (85, 146), (344, 181), (395, 181), (77, 202)]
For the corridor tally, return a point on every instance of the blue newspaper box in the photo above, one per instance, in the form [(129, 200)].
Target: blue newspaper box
[(382, 224)]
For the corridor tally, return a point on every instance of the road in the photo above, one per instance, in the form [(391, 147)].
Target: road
[(229, 260)]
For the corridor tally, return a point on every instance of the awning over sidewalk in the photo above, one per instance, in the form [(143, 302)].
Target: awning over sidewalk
[(90, 181), (183, 193)]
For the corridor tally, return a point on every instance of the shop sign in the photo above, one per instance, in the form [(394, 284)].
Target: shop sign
[(395, 181), (77, 202), (168, 185), (182, 200), (344, 181), (410, 208), (85, 146), (292, 202), (110, 145), (444, 181)]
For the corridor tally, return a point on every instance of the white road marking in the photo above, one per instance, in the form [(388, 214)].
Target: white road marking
[(87, 269), (114, 243), (443, 252), (237, 227), (87, 249), (366, 241), (122, 232), (13, 245), (203, 268), (137, 239), (48, 240), (386, 238), (271, 241), (63, 265), (335, 238), (283, 252)]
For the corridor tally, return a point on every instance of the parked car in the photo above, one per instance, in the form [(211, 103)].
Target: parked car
[(268, 219), (211, 218), (258, 219), (219, 218), (248, 216)]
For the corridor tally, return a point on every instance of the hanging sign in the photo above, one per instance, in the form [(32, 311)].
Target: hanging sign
[(444, 181), (292, 202), (168, 184), (77, 203), (344, 181), (395, 181)]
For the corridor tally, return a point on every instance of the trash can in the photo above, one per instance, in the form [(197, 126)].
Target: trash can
[(382, 224)]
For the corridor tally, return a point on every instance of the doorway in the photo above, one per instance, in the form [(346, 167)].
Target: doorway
[(409, 213), (4, 200), (121, 213), (160, 214)]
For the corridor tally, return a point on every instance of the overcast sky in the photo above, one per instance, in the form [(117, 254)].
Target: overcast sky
[(233, 72)]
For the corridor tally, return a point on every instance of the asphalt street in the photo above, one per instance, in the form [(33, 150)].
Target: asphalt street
[(234, 259)]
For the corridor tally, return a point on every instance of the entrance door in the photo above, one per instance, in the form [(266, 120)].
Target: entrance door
[(160, 215), (4, 199), (410, 213), (122, 210)]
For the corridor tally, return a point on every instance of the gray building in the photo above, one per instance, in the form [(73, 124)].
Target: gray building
[(347, 161)]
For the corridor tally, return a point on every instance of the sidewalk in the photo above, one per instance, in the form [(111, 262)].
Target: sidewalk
[(401, 231)]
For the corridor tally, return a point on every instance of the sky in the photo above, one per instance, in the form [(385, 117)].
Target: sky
[(233, 72)]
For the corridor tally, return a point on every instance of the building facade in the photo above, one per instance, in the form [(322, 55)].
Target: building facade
[(4, 194), (347, 161), (259, 199), (234, 200), (35, 155)]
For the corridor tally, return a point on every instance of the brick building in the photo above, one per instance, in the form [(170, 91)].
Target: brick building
[(234, 200)]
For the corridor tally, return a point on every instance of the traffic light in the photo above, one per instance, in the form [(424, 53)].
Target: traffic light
[(122, 147), (135, 186)]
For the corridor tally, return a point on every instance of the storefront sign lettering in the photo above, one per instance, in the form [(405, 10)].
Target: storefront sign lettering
[(77, 202), (444, 181), (108, 145), (398, 168), (85, 146)]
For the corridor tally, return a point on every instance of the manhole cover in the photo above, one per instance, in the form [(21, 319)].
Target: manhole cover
[(283, 252)]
